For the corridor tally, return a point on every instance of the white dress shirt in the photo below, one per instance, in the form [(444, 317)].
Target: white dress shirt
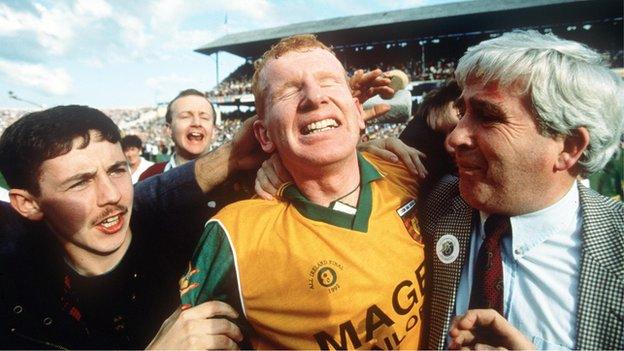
[(540, 272)]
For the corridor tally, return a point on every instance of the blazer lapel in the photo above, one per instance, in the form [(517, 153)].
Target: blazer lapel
[(453, 228)]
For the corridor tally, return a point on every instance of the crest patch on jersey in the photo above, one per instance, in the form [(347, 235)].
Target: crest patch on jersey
[(407, 212), (324, 274), (185, 282)]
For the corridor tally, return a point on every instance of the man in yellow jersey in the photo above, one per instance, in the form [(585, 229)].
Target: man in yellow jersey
[(337, 262)]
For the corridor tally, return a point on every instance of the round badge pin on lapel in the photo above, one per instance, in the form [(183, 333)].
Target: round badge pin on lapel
[(447, 248)]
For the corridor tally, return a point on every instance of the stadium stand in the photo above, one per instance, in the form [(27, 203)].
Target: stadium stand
[(425, 42)]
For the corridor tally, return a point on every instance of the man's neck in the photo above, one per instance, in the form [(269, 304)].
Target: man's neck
[(180, 160), (538, 198), (324, 185), (89, 264)]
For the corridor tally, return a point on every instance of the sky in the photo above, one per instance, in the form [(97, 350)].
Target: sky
[(121, 54)]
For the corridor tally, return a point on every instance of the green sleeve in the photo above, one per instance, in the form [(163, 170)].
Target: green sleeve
[(212, 276), (3, 183), (212, 273)]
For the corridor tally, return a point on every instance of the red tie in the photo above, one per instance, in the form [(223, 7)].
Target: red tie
[(487, 285)]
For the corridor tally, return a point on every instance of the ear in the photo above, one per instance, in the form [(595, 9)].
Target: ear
[(360, 114), (573, 147), (26, 204), (262, 134)]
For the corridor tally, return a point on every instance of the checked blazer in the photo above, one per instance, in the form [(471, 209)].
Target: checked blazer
[(600, 319)]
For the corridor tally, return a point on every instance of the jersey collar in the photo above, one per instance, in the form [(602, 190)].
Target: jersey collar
[(358, 222)]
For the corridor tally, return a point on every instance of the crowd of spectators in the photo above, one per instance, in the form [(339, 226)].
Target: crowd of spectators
[(8, 116), (426, 59), (429, 60), (239, 82), (384, 130)]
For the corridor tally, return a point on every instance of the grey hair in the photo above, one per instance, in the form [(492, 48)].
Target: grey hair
[(568, 84)]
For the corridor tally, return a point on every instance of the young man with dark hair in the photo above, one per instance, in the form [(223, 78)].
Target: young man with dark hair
[(132, 147), (190, 119), (94, 263)]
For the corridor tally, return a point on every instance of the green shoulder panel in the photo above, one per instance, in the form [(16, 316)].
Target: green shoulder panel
[(212, 276), (212, 271), (3, 183)]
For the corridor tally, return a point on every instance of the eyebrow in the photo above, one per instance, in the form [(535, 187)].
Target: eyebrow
[(327, 74), (77, 177), (486, 107), (90, 175), (191, 112), (317, 75), (116, 165)]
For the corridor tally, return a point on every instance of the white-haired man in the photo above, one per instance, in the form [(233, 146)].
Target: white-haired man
[(535, 258)]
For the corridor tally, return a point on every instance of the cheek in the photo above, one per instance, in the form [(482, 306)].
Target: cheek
[(207, 124), (179, 132), (517, 158), (68, 215), (209, 130), (494, 144), (180, 126), (277, 123), (124, 184)]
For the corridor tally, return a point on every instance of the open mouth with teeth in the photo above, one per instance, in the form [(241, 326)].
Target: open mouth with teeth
[(112, 224), (195, 136), (320, 126)]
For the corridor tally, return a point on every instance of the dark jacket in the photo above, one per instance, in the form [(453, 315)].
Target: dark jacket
[(45, 304)]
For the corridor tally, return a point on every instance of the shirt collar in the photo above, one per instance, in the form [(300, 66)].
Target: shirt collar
[(310, 210), (171, 164), (532, 229)]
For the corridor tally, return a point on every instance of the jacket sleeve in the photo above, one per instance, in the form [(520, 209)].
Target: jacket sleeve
[(173, 192), (172, 203)]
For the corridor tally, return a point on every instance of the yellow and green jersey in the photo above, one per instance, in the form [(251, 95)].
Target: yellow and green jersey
[(308, 277)]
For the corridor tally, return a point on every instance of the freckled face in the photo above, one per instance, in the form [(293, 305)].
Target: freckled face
[(310, 115)]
